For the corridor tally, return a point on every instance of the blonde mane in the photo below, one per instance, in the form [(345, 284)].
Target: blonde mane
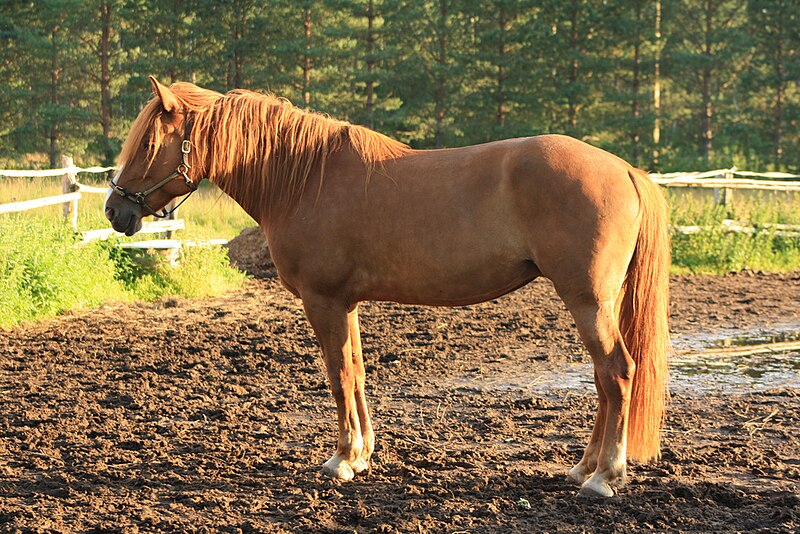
[(257, 146)]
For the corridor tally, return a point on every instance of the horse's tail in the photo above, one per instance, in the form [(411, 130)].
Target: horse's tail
[(644, 321)]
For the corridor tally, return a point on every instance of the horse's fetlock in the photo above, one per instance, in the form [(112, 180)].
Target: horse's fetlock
[(617, 471)]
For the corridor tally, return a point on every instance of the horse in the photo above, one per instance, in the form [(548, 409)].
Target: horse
[(352, 215)]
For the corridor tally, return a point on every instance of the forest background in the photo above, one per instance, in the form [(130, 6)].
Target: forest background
[(668, 85)]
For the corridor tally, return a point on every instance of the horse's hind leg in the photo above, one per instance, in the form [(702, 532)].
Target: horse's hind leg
[(329, 319), (367, 433), (588, 462), (605, 456)]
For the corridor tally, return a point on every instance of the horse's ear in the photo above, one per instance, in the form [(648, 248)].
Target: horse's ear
[(167, 97)]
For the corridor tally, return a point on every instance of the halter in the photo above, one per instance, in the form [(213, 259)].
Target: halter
[(182, 171)]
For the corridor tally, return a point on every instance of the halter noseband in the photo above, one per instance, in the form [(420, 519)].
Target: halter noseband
[(182, 171)]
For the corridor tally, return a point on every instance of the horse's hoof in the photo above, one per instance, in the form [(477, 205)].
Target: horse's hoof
[(577, 474), (595, 487), (360, 465), (339, 469)]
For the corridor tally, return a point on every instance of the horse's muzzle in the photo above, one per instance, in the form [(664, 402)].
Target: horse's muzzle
[(126, 219)]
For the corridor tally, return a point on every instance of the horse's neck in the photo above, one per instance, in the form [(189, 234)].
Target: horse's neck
[(263, 201), (258, 211)]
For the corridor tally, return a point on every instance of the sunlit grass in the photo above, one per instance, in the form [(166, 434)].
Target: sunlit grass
[(715, 250), (44, 271)]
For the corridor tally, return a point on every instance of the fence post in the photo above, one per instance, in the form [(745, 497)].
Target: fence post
[(724, 196), (170, 217), (69, 184)]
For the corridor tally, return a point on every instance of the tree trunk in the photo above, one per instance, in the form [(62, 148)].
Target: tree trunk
[(657, 90), (237, 34), (572, 101), (105, 80), (501, 73), (637, 45), (55, 80), (370, 105), (176, 45), (780, 92), (441, 88), (707, 109), (307, 59)]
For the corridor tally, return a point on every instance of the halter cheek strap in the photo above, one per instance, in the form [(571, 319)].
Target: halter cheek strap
[(182, 171)]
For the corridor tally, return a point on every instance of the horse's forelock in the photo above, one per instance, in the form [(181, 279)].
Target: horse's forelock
[(145, 132)]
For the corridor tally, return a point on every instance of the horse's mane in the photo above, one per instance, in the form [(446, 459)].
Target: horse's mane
[(258, 146)]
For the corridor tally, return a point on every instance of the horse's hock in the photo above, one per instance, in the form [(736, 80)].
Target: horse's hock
[(249, 252)]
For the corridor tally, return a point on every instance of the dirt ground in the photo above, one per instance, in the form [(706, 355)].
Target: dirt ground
[(214, 415)]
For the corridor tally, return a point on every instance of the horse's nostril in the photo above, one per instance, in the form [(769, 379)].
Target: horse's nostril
[(109, 213)]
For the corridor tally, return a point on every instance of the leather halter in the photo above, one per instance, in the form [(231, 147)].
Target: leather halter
[(182, 171)]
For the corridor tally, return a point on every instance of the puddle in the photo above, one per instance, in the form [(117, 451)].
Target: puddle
[(730, 362), (736, 338), (737, 361), (740, 374)]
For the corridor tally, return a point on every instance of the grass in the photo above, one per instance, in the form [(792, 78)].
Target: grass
[(715, 250), (44, 271)]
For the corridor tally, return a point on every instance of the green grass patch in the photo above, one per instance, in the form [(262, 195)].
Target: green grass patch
[(44, 271), (715, 250)]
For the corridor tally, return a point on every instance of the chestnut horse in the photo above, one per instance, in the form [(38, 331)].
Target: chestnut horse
[(352, 215)]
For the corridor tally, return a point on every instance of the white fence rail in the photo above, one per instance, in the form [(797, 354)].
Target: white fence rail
[(152, 227), (721, 180), (73, 191), (26, 205), (729, 225), (727, 179), (69, 168)]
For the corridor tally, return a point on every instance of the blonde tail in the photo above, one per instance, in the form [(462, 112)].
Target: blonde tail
[(644, 322)]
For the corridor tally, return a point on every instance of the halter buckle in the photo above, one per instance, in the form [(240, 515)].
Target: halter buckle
[(186, 147)]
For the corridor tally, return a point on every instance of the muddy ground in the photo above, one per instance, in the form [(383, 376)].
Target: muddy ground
[(214, 415)]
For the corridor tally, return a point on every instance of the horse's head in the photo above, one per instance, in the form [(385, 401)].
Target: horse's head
[(154, 165)]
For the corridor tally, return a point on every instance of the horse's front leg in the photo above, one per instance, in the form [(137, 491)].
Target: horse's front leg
[(367, 433), (329, 319)]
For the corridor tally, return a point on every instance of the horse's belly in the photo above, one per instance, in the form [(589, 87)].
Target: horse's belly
[(454, 285)]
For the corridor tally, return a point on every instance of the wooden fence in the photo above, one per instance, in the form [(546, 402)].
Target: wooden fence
[(727, 179), (723, 181), (73, 191)]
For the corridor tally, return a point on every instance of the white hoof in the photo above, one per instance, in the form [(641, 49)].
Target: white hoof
[(596, 487), (360, 465), (578, 474), (338, 468)]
